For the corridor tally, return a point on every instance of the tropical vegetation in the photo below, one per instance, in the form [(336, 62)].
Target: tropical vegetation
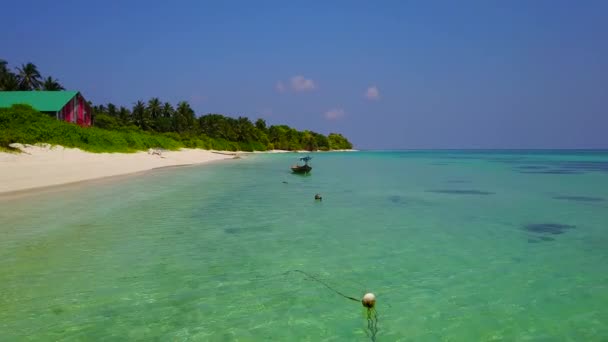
[(23, 124), (154, 123), (213, 131), (26, 77)]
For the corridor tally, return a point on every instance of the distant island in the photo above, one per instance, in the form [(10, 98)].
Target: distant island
[(151, 124)]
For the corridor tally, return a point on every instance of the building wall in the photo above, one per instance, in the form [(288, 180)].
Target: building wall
[(77, 110)]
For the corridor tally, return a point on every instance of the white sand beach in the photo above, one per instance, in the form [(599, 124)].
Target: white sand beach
[(43, 165)]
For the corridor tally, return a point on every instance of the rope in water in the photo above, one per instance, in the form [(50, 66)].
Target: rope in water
[(372, 314), (325, 284), (372, 324)]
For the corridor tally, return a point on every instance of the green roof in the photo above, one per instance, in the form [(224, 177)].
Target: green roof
[(43, 101)]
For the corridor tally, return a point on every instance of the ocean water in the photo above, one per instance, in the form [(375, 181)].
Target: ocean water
[(456, 245)]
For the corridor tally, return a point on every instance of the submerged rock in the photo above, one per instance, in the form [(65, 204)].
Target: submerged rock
[(548, 228)]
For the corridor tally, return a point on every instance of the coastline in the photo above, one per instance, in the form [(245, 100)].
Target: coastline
[(44, 166)]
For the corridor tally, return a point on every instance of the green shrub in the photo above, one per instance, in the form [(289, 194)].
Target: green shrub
[(23, 124)]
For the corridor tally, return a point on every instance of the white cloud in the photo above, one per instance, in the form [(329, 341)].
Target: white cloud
[(372, 93), (334, 114), (300, 83), (296, 84)]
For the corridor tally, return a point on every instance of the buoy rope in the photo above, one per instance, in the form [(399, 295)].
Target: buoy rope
[(372, 314), (325, 284), (372, 324)]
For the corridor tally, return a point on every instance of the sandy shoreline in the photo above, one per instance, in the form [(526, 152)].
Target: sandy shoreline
[(44, 166)]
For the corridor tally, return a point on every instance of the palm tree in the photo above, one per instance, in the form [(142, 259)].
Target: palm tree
[(184, 117), (8, 81), (154, 111), (52, 84), (164, 122), (155, 108), (28, 77), (112, 111), (3, 69), (140, 116), (168, 110), (244, 129), (11, 82), (101, 109), (124, 115), (261, 124)]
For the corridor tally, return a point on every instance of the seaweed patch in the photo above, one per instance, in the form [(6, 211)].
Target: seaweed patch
[(579, 198), (395, 199), (531, 167), (548, 228), (554, 172), (241, 230)]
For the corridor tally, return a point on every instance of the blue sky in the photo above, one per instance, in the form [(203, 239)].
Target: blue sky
[(387, 74)]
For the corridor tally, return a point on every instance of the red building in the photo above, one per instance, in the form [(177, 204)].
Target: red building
[(67, 106)]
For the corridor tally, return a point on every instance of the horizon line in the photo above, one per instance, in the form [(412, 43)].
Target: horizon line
[(481, 149)]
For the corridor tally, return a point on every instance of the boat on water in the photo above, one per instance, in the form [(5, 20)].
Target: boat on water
[(302, 168)]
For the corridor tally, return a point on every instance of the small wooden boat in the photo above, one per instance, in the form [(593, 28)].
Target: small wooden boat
[(302, 168)]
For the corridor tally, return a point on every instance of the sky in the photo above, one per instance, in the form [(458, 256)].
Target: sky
[(386, 74)]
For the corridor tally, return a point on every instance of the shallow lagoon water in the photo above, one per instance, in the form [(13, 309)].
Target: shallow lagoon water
[(457, 245)]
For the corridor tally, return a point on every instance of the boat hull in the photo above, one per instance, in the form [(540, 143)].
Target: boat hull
[(301, 169)]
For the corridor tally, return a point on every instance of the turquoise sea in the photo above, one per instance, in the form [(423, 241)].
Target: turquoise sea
[(456, 245)]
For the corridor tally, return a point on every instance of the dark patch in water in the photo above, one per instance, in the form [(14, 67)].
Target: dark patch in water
[(554, 172), (462, 192), (193, 284), (395, 199), (531, 167), (108, 312), (548, 228), (579, 198), (57, 310), (533, 241), (585, 166), (241, 230), (565, 167)]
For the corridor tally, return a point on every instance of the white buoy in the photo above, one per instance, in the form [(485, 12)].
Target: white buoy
[(369, 300)]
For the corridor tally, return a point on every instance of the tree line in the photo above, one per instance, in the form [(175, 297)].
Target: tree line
[(180, 122), (25, 77)]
